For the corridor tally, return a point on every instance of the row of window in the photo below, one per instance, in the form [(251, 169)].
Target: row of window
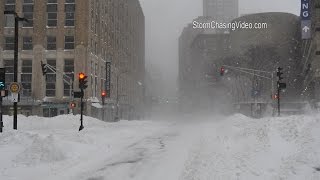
[(26, 76), (52, 9), (51, 43)]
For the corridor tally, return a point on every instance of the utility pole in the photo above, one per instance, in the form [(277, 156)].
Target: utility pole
[(17, 19), (103, 97)]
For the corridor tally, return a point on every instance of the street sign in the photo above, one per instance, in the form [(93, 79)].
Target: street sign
[(108, 79), (282, 85), (15, 87), (306, 29), (305, 19), (305, 10), (15, 97)]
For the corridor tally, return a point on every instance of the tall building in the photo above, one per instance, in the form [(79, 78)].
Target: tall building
[(221, 10), (76, 36), (200, 54), (311, 58)]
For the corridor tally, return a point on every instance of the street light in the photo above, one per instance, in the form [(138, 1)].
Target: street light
[(15, 60)]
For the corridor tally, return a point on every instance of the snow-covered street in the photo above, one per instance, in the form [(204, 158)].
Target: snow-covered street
[(235, 147)]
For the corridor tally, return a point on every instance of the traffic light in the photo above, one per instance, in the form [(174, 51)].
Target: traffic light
[(274, 96), (73, 105), (82, 81), (222, 71), (44, 68), (103, 96), (279, 73), (2, 78)]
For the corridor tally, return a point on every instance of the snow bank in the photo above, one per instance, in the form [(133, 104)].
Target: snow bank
[(42, 150), (234, 147)]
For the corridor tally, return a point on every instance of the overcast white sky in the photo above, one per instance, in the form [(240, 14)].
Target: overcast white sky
[(165, 20)]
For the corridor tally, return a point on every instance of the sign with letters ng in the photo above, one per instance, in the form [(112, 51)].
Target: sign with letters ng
[(305, 10), (108, 79), (305, 19)]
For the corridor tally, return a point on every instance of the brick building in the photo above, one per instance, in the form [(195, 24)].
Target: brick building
[(76, 36)]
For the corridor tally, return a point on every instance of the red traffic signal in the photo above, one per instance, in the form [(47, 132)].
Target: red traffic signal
[(222, 71), (103, 94), (274, 96), (73, 105)]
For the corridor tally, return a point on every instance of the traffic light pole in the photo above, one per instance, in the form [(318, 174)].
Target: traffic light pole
[(280, 86), (15, 69), (81, 115), (82, 85), (278, 97), (17, 19), (103, 104)]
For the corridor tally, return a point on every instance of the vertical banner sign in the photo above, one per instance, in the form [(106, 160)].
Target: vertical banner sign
[(305, 10), (108, 79), (305, 19)]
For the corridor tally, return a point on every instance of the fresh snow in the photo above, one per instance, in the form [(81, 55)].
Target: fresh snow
[(189, 148)]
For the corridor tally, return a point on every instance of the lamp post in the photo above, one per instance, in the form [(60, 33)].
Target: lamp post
[(17, 19), (117, 95)]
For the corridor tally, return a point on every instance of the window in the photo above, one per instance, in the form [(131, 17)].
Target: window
[(51, 43), (69, 9), (50, 112), (9, 19), (9, 43), (8, 65), (26, 77), (68, 70), (51, 80), (27, 43), (69, 19), (27, 9), (69, 42), (52, 8)]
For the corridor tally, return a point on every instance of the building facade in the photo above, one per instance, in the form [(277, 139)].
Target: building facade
[(76, 36), (221, 11), (311, 58)]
